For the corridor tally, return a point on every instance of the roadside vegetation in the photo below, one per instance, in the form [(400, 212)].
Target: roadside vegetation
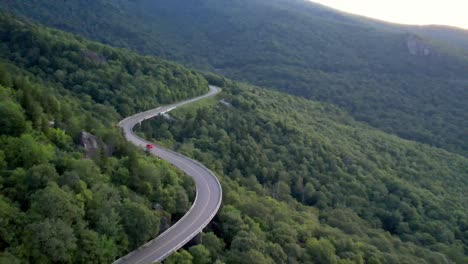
[(61, 202), (320, 186)]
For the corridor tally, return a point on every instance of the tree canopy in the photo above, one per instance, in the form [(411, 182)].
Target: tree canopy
[(406, 80)]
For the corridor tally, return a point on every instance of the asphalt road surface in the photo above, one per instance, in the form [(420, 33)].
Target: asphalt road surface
[(207, 201)]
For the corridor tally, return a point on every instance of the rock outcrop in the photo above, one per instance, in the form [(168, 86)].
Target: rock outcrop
[(417, 47), (90, 143)]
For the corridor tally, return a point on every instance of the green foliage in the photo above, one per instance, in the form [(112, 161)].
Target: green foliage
[(12, 121), (365, 67), (213, 244), (200, 254), (139, 223), (26, 151), (10, 217), (302, 182), (39, 176), (374, 188), (6, 257), (56, 205), (180, 257), (321, 251), (49, 240), (96, 72), (95, 248)]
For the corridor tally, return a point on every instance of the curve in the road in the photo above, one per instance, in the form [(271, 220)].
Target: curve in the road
[(207, 200)]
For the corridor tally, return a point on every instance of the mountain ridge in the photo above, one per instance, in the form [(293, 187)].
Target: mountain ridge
[(395, 78)]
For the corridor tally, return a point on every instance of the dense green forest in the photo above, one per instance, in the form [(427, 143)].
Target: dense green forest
[(362, 181), (110, 76), (455, 36), (302, 181), (408, 81), (60, 202)]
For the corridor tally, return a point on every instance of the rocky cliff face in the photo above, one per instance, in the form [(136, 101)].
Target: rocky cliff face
[(417, 47), (90, 143)]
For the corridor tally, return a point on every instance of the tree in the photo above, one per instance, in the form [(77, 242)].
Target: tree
[(179, 257), (5, 77), (214, 244), (59, 138), (56, 203), (26, 151), (50, 240), (88, 171), (309, 191), (231, 220), (283, 191), (6, 257), (32, 108), (121, 176), (139, 222), (182, 200), (244, 241), (3, 163), (72, 180), (12, 121), (321, 251), (276, 252), (95, 248), (10, 218), (200, 254), (251, 256), (38, 176)]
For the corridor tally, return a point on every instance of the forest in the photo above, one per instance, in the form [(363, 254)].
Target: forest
[(109, 76), (303, 182), (378, 72), (361, 181), (59, 203), (56, 206)]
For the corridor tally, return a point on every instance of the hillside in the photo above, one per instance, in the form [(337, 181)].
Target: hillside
[(361, 180), (404, 80), (454, 36), (302, 181), (73, 197)]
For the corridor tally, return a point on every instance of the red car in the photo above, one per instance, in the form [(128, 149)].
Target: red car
[(149, 146)]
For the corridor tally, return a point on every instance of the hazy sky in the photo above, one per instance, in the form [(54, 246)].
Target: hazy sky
[(418, 12)]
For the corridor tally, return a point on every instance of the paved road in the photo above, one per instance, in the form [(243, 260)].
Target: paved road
[(207, 200)]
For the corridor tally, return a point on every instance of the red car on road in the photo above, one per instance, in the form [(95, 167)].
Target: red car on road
[(149, 146)]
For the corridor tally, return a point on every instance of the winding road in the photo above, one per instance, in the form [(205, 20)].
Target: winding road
[(208, 195)]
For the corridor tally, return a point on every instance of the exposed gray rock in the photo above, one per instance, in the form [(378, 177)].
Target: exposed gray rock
[(168, 117), (93, 56), (90, 143), (157, 207), (417, 47), (226, 103)]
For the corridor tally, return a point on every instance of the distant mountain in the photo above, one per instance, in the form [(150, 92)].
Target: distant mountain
[(454, 36), (404, 80)]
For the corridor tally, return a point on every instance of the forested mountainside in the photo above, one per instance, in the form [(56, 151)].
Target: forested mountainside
[(61, 202), (455, 36), (127, 81), (404, 80), (302, 181), (362, 181)]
